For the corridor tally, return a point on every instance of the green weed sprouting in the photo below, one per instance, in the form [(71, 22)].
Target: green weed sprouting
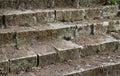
[(114, 1)]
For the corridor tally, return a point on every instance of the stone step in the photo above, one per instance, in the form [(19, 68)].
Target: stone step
[(96, 44), (42, 53), (24, 57), (19, 58), (64, 30), (40, 16), (23, 4), (101, 65)]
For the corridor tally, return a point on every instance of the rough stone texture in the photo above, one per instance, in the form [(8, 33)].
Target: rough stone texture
[(22, 64), (110, 11), (89, 50), (112, 70), (114, 26), (24, 4), (70, 14), (109, 47), (4, 65), (36, 17), (21, 59), (92, 13), (45, 16), (6, 38), (20, 19), (29, 17), (66, 50), (47, 54), (96, 44)]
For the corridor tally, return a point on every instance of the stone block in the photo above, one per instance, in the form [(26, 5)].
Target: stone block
[(109, 47), (110, 11), (114, 25), (4, 64), (20, 19), (70, 15), (67, 50), (23, 64), (48, 59), (92, 13), (46, 53), (89, 50), (6, 38), (45, 16), (20, 59)]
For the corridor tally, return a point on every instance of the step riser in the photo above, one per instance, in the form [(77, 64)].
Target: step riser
[(22, 4), (24, 64), (102, 48), (83, 14), (112, 70), (4, 66), (38, 17)]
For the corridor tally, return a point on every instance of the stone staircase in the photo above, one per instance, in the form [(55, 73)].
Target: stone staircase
[(59, 38)]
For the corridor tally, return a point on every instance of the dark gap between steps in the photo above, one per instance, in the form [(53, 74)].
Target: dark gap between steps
[(37, 60), (15, 40), (4, 22), (92, 29)]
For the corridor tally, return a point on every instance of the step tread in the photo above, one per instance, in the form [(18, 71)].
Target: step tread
[(12, 53), (11, 29), (63, 45), (93, 40), (43, 48)]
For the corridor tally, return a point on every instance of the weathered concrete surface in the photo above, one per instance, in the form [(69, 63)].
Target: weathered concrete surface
[(4, 65), (66, 30), (20, 59), (101, 65), (114, 26), (66, 50), (46, 53), (6, 38), (36, 17), (7, 35), (28, 17), (96, 44), (70, 14), (75, 29), (31, 4), (85, 13)]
